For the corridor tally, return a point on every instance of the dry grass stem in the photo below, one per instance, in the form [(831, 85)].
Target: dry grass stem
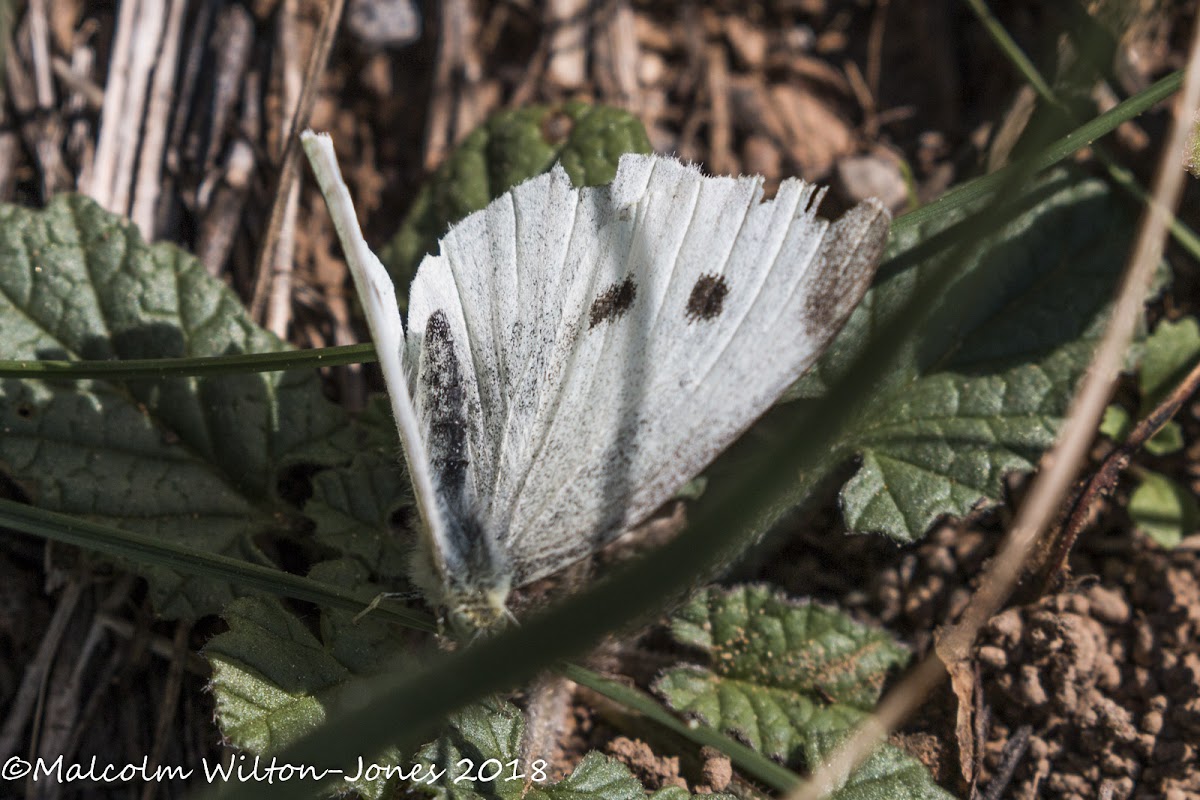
[(279, 306), (289, 171), (39, 47), (158, 115), (33, 681), (148, 36)]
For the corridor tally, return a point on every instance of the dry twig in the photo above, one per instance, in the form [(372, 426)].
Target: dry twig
[(168, 708), (1104, 481), (624, 55), (228, 202), (21, 709), (9, 151), (447, 115), (568, 24), (720, 130), (40, 126), (147, 37), (1010, 759), (875, 66), (234, 35), (39, 41), (76, 79)]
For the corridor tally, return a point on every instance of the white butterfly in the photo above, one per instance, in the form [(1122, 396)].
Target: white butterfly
[(574, 356)]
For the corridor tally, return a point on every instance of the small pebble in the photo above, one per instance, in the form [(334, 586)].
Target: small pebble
[(1108, 606), (384, 23), (993, 657), (874, 175)]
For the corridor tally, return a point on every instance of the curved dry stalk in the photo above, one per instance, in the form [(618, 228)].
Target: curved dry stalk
[(1104, 481), (1058, 467)]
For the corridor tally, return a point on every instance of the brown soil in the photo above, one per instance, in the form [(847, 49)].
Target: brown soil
[(1107, 676)]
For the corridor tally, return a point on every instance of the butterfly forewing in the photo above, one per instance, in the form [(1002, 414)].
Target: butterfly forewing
[(622, 336), (674, 381)]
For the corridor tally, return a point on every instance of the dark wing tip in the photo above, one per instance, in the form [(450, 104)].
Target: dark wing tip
[(849, 256)]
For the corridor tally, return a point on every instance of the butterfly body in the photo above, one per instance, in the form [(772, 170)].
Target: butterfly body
[(574, 356)]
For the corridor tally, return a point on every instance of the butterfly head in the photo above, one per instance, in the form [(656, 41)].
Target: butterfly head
[(471, 599), (475, 612)]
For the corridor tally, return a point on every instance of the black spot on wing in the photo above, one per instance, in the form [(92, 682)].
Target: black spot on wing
[(613, 302), (446, 407), (707, 299)]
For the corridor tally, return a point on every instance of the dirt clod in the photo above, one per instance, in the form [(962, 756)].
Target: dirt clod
[(1094, 679), (717, 770), (651, 769)]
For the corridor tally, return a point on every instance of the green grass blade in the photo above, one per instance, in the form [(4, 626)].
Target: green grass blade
[(1185, 236), (1012, 51), (155, 551), (749, 761), (143, 368), (1081, 137)]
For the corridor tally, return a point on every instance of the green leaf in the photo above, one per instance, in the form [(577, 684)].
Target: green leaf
[(597, 776), (490, 732), (980, 390), (268, 675), (679, 793), (1116, 423), (1163, 509), (1168, 439), (275, 681), (604, 778), (761, 637), (1172, 350), (1166, 357), (790, 679), (478, 732), (778, 722), (512, 146), (353, 504), (194, 460), (889, 774)]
